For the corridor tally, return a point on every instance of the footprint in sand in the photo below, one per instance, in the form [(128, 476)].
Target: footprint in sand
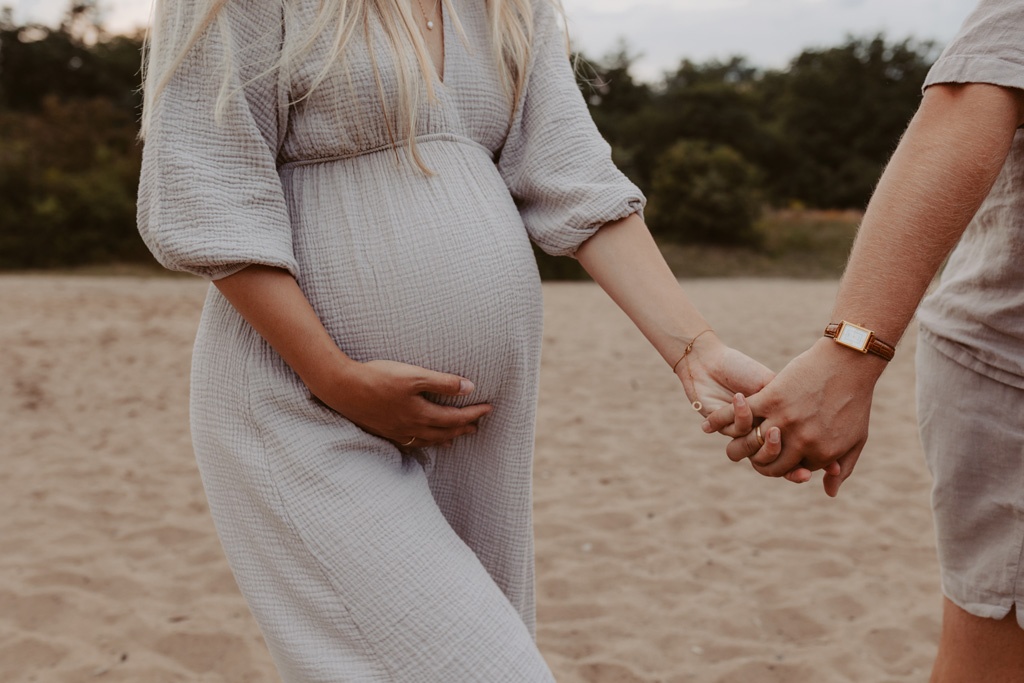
[(26, 656), (203, 652)]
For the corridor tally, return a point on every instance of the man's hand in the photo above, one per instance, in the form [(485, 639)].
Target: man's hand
[(718, 376), (744, 423), (821, 403), (942, 170)]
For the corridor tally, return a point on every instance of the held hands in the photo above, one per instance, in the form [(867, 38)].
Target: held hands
[(716, 377), (821, 402), (387, 399)]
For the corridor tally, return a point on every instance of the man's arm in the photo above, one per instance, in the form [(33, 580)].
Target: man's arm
[(942, 170)]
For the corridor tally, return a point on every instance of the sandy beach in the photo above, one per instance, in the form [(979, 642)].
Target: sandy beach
[(658, 560)]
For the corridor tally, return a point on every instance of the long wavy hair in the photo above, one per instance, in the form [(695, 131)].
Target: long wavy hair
[(174, 32)]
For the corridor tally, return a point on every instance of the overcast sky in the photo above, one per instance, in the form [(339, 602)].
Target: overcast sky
[(768, 32)]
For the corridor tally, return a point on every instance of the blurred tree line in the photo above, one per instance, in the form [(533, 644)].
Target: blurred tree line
[(717, 141), (711, 145), (69, 162)]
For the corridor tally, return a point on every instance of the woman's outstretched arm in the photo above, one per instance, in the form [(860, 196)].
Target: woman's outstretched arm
[(624, 260), (384, 398)]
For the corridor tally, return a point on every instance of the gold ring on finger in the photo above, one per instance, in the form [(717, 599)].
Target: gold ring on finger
[(757, 433), (409, 442)]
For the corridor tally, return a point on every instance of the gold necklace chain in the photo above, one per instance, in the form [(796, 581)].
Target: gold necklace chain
[(429, 17)]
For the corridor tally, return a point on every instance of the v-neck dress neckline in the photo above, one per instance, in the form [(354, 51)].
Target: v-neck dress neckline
[(441, 75)]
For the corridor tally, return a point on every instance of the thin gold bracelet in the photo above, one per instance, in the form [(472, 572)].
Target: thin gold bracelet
[(696, 405), (689, 347)]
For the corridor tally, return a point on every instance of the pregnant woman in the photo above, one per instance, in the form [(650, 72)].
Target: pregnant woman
[(361, 180)]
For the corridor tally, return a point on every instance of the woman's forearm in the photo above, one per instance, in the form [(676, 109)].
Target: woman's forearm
[(623, 258), (385, 398), (271, 301)]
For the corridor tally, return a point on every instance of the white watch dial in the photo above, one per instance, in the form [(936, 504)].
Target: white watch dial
[(853, 336)]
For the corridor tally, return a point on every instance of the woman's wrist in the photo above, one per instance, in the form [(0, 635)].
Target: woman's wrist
[(695, 351), (695, 360)]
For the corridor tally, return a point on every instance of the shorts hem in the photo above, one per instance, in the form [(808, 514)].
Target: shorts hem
[(980, 604)]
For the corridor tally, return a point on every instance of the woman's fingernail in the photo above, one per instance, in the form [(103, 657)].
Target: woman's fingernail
[(706, 427), (466, 387), (740, 400), (774, 435)]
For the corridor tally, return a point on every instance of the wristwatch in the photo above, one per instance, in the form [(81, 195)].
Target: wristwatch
[(860, 339)]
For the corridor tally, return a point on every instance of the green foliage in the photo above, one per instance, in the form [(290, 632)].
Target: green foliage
[(38, 62), (69, 159), (558, 267), (843, 111), (800, 243), (706, 193), (819, 131), (67, 181), (709, 145), (715, 102)]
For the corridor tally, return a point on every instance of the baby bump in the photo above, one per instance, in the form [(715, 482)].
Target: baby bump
[(435, 271)]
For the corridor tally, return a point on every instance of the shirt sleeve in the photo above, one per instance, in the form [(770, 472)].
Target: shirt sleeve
[(555, 163), (988, 49), (210, 197)]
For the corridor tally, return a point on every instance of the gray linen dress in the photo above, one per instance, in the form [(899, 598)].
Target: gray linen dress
[(357, 567)]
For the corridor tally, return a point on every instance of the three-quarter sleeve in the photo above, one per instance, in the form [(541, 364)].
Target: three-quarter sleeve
[(988, 49), (555, 163), (210, 196)]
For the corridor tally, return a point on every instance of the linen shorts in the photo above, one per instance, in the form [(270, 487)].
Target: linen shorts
[(972, 429)]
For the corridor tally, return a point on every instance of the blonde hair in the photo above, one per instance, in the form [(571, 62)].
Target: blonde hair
[(173, 35)]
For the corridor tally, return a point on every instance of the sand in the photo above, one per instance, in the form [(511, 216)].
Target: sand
[(657, 558)]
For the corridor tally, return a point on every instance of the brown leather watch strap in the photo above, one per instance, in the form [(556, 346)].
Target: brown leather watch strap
[(875, 345)]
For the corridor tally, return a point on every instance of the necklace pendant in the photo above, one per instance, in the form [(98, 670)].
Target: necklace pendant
[(430, 25)]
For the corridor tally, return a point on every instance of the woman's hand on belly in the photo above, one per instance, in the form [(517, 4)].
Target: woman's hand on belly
[(384, 398), (387, 399)]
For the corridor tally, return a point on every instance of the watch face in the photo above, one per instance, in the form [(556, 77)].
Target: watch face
[(854, 337)]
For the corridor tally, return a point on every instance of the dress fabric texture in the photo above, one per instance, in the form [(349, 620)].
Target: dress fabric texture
[(357, 566)]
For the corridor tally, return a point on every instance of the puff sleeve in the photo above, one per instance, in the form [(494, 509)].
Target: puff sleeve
[(555, 163), (210, 197), (988, 49)]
